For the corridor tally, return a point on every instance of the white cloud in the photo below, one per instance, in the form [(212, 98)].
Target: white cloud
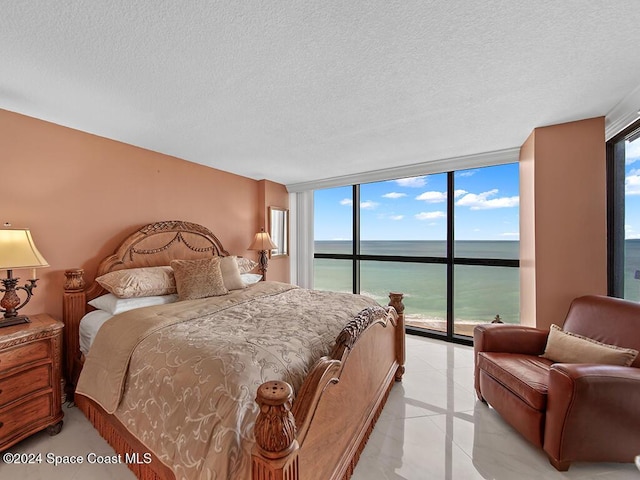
[(368, 205), (510, 234), (632, 183), (394, 195), (629, 233), (433, 197), (430, 215), (346, 201), (438, 197), (412, 182), (458, 193), (396, 217), (481, 201), (467, 173), (632, 152)]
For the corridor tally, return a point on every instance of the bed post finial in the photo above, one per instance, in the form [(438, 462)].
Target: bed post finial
[(74, 280), (395, 300), (275, 454)]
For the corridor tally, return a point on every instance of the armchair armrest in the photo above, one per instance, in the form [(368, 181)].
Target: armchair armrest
[(592, 413), (496, 337)]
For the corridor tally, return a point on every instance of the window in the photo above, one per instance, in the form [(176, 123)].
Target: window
[(448, 241), (623, 172)]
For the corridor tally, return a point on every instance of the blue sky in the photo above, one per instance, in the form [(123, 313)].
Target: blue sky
[(486, 207), (632, 189)]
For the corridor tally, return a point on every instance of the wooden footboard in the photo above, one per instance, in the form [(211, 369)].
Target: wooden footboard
[(323, 433)]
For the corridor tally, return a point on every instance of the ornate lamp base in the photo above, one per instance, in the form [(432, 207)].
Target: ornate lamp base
[(11, 303), (263, 261), (17, 320)]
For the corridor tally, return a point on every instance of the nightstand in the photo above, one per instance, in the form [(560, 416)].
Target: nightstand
[(30, 393)]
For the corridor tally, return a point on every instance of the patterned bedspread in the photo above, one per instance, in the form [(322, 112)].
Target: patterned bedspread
[(183, 377)]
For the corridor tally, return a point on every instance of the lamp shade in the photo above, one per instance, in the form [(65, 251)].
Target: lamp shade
[(262, 241), (17, 250)]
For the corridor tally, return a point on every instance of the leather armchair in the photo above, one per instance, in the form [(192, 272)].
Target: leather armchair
[(575, 412)]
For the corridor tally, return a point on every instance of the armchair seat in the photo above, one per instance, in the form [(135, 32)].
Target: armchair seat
[(573, 411), (526, 376)]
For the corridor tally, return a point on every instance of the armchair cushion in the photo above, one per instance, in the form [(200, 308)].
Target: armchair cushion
[(567, 347), (524, 375)]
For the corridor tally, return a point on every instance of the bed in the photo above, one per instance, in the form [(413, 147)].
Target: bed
[(317, 399)]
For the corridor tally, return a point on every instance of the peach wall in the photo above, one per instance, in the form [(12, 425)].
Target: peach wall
[(80, 194), (274, 195), (562, 219)]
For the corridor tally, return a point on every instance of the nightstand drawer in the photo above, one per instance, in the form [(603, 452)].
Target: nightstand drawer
[(30, 396), (23, 383), (24, 354), (24, 414)]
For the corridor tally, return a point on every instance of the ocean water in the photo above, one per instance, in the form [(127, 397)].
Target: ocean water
[(481, 292), (632, 270)]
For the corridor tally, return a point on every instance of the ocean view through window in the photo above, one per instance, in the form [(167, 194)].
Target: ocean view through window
[(632, 217), (623, 172), (448, 241)]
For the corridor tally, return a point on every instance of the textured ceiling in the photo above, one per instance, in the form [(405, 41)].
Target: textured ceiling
[(299, 91)]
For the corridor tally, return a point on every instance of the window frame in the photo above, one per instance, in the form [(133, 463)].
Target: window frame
[(450, 260), (616, 205)]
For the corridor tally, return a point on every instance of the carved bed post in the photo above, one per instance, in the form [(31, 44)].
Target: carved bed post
[(275, 453), (395, 300), (74, 303)]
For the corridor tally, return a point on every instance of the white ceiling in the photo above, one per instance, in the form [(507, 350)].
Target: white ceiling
[(300, 91)]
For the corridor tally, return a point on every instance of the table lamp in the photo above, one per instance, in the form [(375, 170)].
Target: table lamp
[(17, 251), (262, 242)]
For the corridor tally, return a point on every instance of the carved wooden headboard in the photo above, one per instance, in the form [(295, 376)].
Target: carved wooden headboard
[(155, 244)]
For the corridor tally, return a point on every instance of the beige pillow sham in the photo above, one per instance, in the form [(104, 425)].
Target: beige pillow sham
[(198, 278), (139, 282), (567, 347)]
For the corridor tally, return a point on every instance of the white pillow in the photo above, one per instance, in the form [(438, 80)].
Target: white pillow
[(114, 305), (250, 278), (231, 273)]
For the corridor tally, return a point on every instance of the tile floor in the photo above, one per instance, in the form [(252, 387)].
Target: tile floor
[(432, 428)]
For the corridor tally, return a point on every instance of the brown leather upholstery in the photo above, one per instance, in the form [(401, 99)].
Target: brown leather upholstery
[(575, 412), (524, 375)]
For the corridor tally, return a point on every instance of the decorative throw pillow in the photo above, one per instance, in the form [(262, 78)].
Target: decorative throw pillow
[(250, 278), (567, 347), (198, 278), (245, 265), (231, 273), (139, 282), (114, 305)]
